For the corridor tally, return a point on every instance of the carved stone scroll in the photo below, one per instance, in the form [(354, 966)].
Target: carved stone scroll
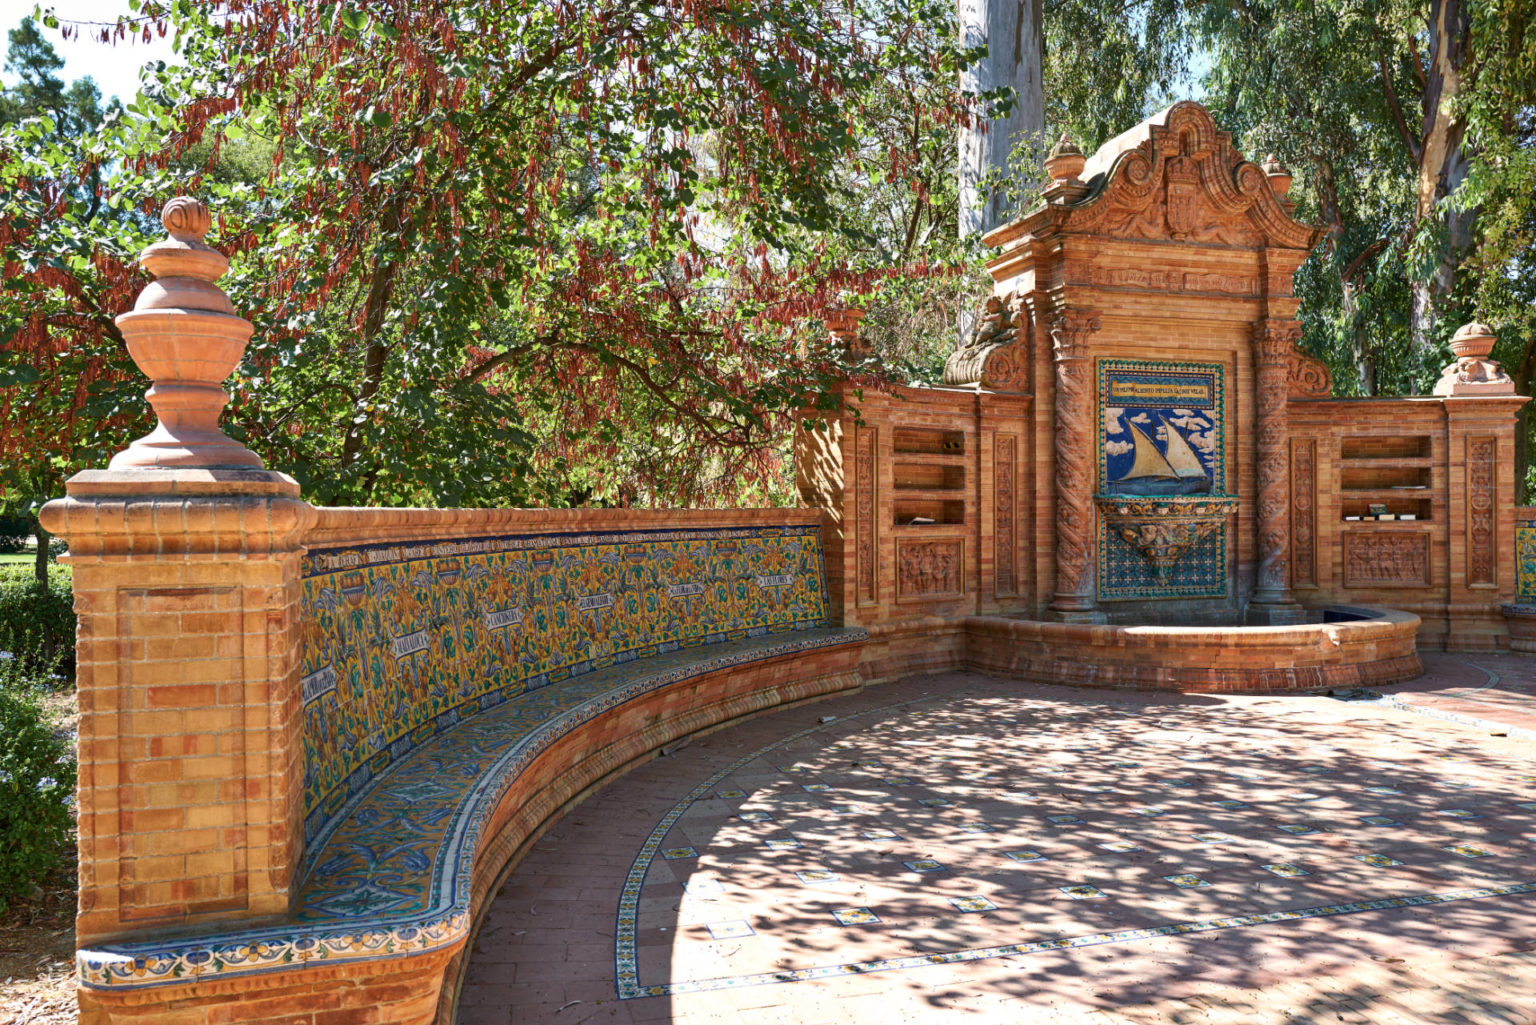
[(1074, 446), (1480, 533), (930, 570), (865, 550), (1303, 512), (1274, 342), (1004, 544), (1386, 559), (1309, 377)]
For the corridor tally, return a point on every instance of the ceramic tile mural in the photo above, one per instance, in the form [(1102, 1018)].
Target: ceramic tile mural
[(1525, 557), (402, 640), (1161, 432)]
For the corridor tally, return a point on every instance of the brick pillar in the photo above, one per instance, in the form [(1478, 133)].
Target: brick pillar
[(186, 572), (1076, 476), (1274, 343)]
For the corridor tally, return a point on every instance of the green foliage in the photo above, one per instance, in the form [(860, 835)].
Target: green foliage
[(14, 532), (37, 625), (495, 254), (37, 783)]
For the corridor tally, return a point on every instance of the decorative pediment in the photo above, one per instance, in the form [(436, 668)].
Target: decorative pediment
[(1177, 177)]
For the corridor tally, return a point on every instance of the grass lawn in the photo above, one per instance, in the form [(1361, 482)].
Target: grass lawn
[(18, 557)]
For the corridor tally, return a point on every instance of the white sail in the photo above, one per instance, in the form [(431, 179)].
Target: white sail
[(1180, 456), (1149, 461)]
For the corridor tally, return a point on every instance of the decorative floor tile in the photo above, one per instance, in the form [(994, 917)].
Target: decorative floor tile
[(1379, 820), (855, 916), (975, 827), (729, 930), (782, 845), (754, 816), (1287, 870), (1063, 820), (1296, 829), (1083, 892), (1460, 813), (880, 834), (973, 904), (1230, 803), (1467, 850), (1025, 856), (678, 853), (817, 788), (1214, 838), (1388, 791), (1186, 881), (1378, 860), (1304, 795), (703, 887), (1097, 789), (1175, 783), (924, 865), (1120, 846), (731, 795), (817, 876), (901, 781), (1150, 811), (934, 802)]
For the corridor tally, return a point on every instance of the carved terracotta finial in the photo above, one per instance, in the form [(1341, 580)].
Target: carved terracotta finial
[(1279, 177), (843, 325), (1065, 161), (185, 336), (1474, 373)]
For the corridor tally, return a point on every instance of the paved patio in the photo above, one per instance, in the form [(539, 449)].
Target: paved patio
[(957, 848)]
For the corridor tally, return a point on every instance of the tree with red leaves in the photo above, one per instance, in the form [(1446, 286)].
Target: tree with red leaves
[(529, 251)]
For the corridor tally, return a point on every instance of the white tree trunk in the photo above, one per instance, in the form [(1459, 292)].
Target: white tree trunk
[(1012, 33)]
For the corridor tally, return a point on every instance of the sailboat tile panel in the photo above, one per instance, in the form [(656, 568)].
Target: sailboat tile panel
[(1161, 432)]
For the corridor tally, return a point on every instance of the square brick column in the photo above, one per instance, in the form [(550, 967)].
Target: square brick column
[(191, 760)]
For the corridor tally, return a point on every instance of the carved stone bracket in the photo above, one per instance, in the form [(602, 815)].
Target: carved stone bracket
[(996, 356)]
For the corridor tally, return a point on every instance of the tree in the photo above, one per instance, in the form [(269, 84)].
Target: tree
[(520, 252), (43, 118)]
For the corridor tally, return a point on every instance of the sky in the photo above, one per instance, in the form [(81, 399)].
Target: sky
[(115, 69)]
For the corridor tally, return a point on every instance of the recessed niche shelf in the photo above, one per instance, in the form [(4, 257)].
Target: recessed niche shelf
[(914, 440), (1393, 474), (1402, 446), (927, 477)]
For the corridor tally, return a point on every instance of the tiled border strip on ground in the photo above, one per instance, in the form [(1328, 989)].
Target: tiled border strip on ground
[(626, 967), (1491, 725)]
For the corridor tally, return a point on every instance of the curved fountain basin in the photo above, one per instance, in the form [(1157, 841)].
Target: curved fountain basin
[(1351, 646)]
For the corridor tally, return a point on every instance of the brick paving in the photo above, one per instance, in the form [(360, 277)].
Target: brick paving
[(957, 848)]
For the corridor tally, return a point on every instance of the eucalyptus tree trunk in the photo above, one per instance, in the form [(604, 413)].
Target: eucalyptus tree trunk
[(1014, 37), (1011, 30)]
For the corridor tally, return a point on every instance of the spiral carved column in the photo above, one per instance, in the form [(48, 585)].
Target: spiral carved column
[(1274, 342), (1070, 332)]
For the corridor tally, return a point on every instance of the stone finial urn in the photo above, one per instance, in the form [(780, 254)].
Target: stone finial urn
[(1474, 373), (185, 336)]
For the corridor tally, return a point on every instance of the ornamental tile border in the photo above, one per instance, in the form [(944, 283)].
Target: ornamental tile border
[(371, 901)]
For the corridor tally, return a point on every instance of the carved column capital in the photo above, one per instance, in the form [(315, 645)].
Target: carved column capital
[(1071, 330), (1274, 341)]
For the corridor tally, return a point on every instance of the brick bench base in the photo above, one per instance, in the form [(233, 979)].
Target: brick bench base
[(401, 880)]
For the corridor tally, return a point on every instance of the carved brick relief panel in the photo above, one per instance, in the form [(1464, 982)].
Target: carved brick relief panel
[(1480, 511), (930, 570), (1004, 464), (1386, 559), (1304, 512), (866, 549)]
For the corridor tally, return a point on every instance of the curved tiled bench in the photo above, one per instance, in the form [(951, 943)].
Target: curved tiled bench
[(400, 876)]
